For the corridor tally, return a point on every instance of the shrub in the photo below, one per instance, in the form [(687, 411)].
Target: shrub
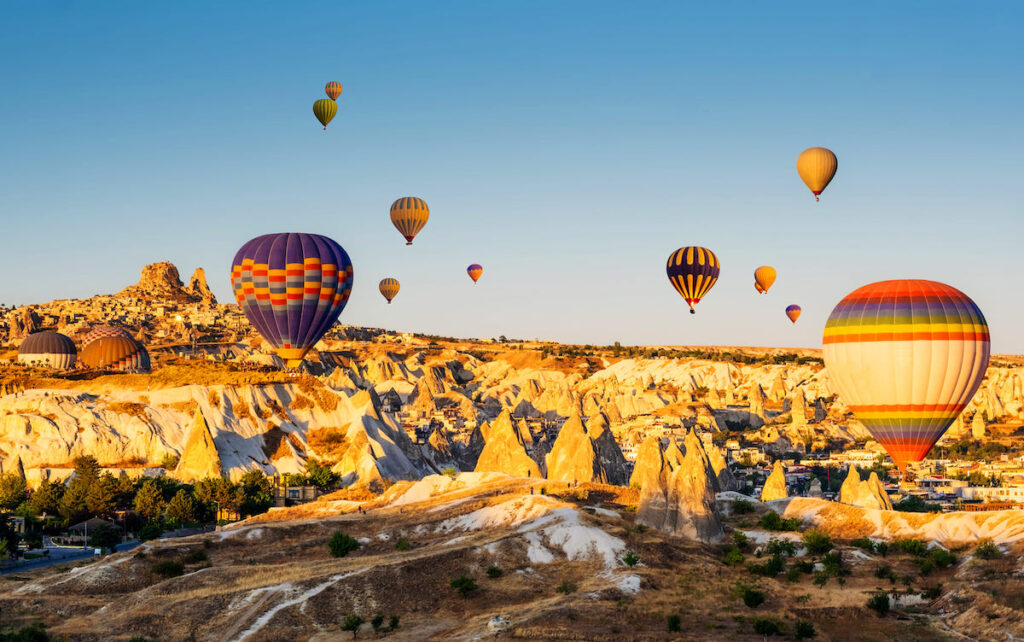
[(402, 544), (771, 568), (566, 587), (32, 633), (882, 548), (804, 631), (781, 547), (987, 550), (884, 572), (449, 472), (392, 622), (804, 566), (494, 572), (773, 522), (879, 603), (733, 556), (932, 592), (942, 558), (740, 539), (195, 556), (817, 542), (463, 585), (914, 547), (742, 507), (151, 530), (864, 543), (753, 598), (342, 544), (168, 568), (377, 622), (768, 627), (630, 559), (352, 623), (793, 575), (675, 623)]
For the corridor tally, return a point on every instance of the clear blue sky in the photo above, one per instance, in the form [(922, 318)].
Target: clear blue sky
[(569, 147)]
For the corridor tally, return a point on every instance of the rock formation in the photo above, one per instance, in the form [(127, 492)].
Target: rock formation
[(24, 321), (866, 494), (647, 469), (199, 459), (609, 455), (572, 457), (798, 409), (161, 281), (775, 485), (197, 287), (726, 480), (683, 504), (978, 425), (672, 456), (505, 451), (814, 488)]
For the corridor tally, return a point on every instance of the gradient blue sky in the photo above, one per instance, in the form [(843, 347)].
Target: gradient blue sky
[(569, 147)]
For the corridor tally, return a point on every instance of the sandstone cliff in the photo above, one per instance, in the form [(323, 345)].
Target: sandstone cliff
[(775, 485)]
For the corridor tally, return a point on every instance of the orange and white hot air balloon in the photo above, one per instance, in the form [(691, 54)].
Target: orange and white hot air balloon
[(764, 277), (906, 356), (817, 166), (389, 288)]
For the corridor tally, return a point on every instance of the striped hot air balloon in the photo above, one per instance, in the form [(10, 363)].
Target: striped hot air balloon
[(692, 271), (292, 288), (906, 356), (817, 166), (333, 90), (793, 312), (409, 214), (50, 349), (389, 288), (474, 271), (101, 331), (764, 277), (122, 354), (325, 109)]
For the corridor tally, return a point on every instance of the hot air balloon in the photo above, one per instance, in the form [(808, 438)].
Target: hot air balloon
[(409, 215), (101, 331), (50, 349), (292, 288), (123, 354), (816, 167), (793, 312), (475, 271), (325, 110), (764, 276), (333, 90), (389, 288), (692, 271), (906, 356)]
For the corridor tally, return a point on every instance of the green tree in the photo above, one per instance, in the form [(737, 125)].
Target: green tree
[(13, 491), (46, 497), (321, 476), (218, 491), (352, 623), (149, 501), (181, 509), (464, 585), (257, 493), (86, 468), (73, 505), (341, 544), (101, 495), (104, 536)]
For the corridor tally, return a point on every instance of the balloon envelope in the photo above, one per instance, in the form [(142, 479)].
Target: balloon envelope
[(793, 312), (325, 110), (692, 271), (906, 356), (333, 90), (292, 288), (817, 166), (389, 288), (475, 271), (51, 349), (764, 277), (409, 214), (123, 354)]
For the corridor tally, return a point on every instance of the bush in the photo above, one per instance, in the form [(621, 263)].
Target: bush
[(773, 522), (942, 558), (493, 572), (566, 587), (168, 568), (833, 563), (449, 472), (32, 633), (987, 550), (753, 598), (151, 530), (342, 544), (630, 559), (932, 592), (675, 624), (864, 543), (402, 544), (804, 566), (817, 542), (742, 507), (771, 568), (884, 572), (768, 627), (781, 547), (914, 547), (879, 603), (195, 556), (733, 556), (793, 575), (463, 585), (740, 539), (882, 548), (804, 631)]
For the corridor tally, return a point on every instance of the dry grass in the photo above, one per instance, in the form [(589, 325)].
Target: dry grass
[(329, 443), (129, 408), (241, 410), (188, 407), (301, 402)]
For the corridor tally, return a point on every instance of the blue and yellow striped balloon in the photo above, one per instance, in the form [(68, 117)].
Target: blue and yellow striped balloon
[(692, 270)]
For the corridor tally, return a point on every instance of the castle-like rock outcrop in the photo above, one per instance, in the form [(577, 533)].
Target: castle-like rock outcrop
[(775, 485), (866, 494), (683, 502), (199, 459), (505, 451)]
